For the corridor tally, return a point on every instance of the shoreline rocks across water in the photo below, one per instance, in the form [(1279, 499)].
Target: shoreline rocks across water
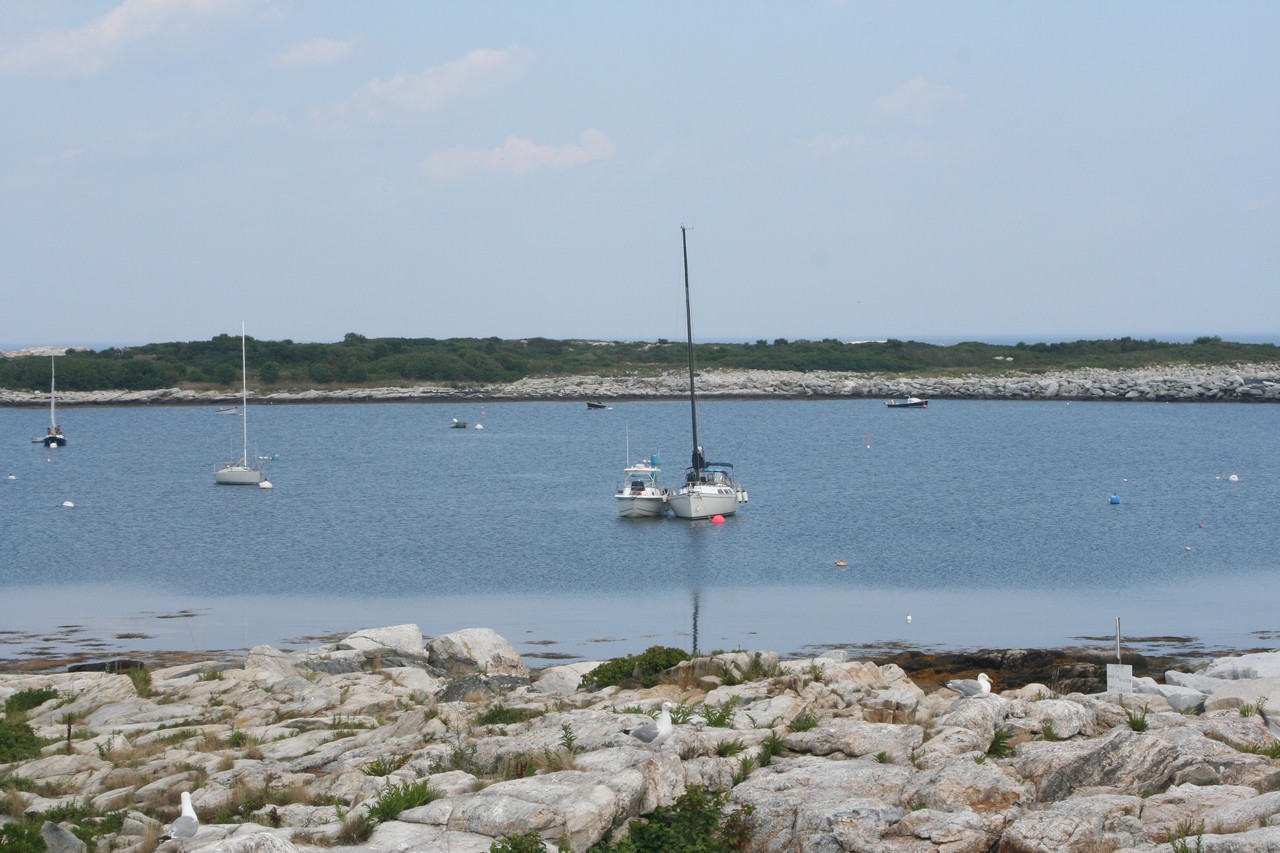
[(1173, 383), (297, 751)]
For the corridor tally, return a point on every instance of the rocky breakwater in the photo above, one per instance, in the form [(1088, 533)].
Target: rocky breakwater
[(1175, 383), (384, 742)]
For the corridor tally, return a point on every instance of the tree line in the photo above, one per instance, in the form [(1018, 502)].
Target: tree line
[(360, 361)]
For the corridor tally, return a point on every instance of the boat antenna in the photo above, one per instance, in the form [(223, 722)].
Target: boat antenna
[(688, 322)]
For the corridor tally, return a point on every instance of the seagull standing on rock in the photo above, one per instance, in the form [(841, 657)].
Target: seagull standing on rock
[(979, 686), (187, 823), (656, 733)]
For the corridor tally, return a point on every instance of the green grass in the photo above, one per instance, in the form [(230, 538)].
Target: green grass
[(17, 741), (999, 747), (501, 715), (727, 748), (397, 798), (804, 722), (1137, 719)]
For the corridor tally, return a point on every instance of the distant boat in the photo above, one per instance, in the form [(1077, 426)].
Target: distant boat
[(709, 488), (641, 496), (595, 405), (240, 472), (53, 437), (229, 410), (457, 424), (907, 403)]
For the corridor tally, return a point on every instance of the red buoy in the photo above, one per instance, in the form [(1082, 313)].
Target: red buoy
[(717, 519)]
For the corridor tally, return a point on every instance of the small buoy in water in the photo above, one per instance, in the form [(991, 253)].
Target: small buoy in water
[(1187, 548), (1115, 499), (479, 426), (840, 563), (265, 484), (1235, 478), (717, 519), (908, 618), (68, 504), (11, 477)]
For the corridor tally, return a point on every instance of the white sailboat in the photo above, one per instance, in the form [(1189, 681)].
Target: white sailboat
[(240, 472), (709, 488), (53, 437)]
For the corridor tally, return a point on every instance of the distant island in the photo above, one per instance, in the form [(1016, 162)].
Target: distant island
[(459, 366)]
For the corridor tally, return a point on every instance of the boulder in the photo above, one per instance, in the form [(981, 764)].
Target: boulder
[(475, 650)]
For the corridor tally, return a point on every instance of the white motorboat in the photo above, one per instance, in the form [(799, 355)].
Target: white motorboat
[(240, 472), (709, 488), (907, 403), (641, 496)]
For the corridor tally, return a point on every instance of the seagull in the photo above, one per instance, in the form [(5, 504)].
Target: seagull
[(187, 823), (979, 686), (655, 733)]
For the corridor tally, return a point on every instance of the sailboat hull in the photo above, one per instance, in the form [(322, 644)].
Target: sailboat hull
[(54, 441), (703, 501), (238, 475)]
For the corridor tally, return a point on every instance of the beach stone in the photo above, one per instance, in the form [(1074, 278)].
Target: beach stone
[(58, 839), (405, 639), (964, 783), (1250, 666), (1190, 804), (958, 831), (474, 650), (564, 679), (1085, 823)]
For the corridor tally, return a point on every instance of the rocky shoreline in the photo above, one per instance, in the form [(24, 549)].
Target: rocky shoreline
[(1172, 383), (319, 748)]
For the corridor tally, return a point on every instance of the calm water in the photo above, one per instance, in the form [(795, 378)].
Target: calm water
[(988, 522)]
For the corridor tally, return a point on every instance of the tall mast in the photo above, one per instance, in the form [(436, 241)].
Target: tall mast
[(53, 382), (244, 399), (688, 322)]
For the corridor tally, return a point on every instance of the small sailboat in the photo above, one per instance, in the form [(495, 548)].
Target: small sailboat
[(709, 488), (641, 496), (240, 472), (53, 436)]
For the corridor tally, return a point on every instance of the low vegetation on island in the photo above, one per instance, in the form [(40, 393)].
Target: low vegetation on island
[(360, 361)]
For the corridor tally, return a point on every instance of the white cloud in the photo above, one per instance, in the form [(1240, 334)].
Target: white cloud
[(317, 51), (918, 100), (516, 156), (412, 96), (87, 50)]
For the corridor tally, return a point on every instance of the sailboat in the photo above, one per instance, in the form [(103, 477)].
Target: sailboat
[(709, 488), (240, 472), (53, 437)]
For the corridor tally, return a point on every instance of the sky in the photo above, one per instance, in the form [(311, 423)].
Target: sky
[(851, 170)]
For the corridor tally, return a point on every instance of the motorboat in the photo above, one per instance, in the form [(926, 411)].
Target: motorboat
[(907, 403), (593, 405), (240, 472), (641, 496), (457, 424), (709, 488)]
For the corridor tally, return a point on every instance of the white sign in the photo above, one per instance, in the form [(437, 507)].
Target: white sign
[(1119, 678)]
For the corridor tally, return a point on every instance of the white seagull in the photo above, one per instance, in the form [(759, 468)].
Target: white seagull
[(979, 686), (187, 823), (656, 733)]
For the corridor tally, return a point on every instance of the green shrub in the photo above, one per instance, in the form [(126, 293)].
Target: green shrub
[(17, 741), (525, 842), (695, 824), (804, 722), (22, 837), (636, 670), (1000, 747), (501, 715), (396, 798), (25, 700)]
